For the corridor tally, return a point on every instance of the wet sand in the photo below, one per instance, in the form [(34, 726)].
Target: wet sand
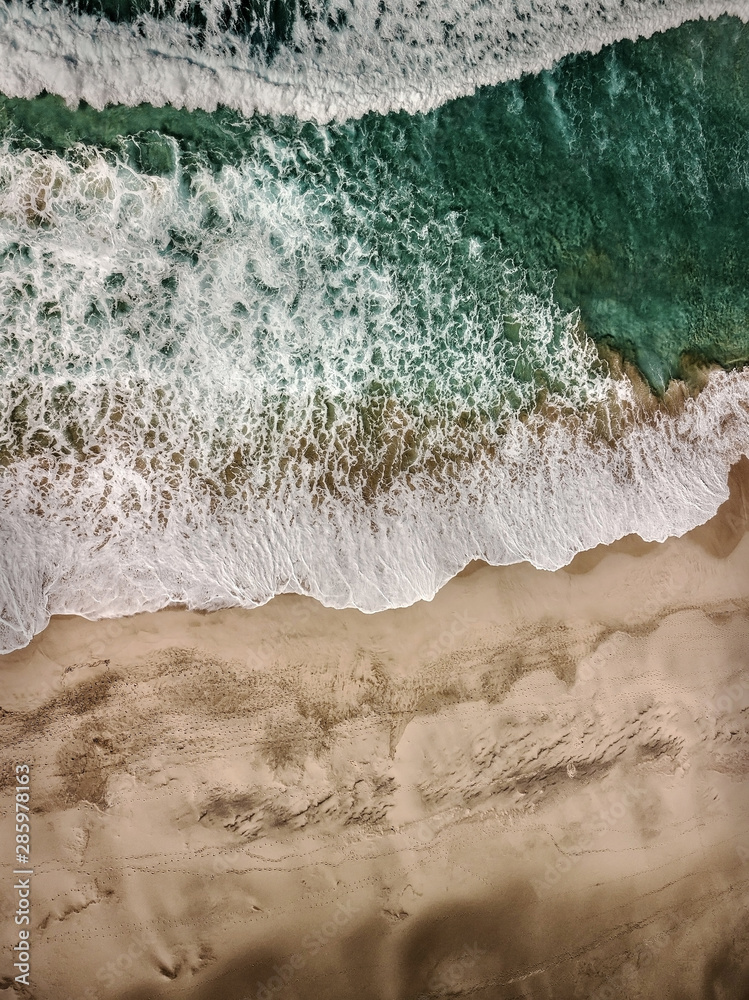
[(534, 785)]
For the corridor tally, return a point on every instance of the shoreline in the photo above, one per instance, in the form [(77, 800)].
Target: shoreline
[(228, 805), (537, 778), (293, 381), (717, 537), (575, 493)]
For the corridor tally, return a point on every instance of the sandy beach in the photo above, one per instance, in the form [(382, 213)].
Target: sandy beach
[(534, 785)]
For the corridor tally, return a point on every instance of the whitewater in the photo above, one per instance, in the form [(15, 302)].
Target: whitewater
[(247, 357), (339, 62), (161, 447)]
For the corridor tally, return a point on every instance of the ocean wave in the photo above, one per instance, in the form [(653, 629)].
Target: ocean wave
[(337, 64), (243, 357), (173, 434), (116, 537)]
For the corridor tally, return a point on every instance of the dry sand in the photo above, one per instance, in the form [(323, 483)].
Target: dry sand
[(534, 785)]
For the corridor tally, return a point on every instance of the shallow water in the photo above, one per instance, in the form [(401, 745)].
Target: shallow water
[(242, 356)]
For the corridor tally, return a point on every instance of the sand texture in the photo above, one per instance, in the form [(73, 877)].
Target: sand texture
[(533, 786)]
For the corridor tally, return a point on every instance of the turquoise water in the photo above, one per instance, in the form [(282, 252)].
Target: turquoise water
[(247, 355), (622, 177)]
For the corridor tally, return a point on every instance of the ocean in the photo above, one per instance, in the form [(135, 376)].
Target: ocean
[(333, 299)]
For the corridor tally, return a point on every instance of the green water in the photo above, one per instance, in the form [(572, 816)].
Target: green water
[(245, 356), (622, 177)]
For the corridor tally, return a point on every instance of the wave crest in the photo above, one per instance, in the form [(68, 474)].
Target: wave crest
[(372, 56), (122, 536)]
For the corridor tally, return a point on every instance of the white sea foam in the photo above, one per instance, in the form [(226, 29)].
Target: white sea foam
[(277, 292), (132, 377), (410, 54), (94, 544)]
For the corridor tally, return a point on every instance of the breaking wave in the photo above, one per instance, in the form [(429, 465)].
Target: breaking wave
[(247, 357), (315, 60)]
